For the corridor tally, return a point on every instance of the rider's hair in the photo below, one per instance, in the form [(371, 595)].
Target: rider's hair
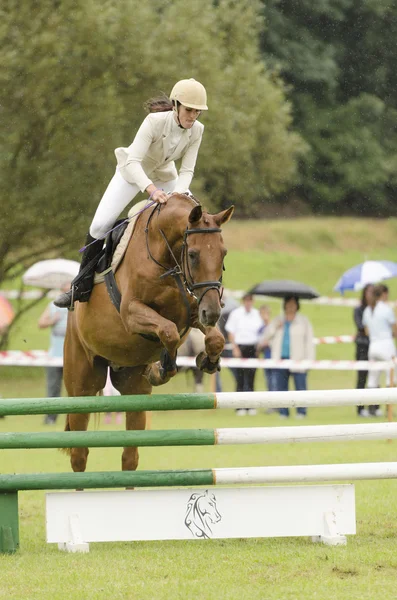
[(158, 104)]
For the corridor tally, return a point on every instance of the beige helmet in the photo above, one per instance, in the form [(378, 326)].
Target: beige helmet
[(190, 93)]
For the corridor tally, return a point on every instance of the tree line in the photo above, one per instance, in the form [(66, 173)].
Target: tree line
[(301, 98)]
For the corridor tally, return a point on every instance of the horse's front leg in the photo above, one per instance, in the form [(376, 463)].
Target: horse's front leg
[(209, 360), (139, 318)]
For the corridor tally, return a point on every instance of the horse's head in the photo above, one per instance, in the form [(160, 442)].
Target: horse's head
[(203, 257), (201, 514)]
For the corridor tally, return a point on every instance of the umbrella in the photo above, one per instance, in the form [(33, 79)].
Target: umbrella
[(51, 274), (370, 271), (6, 312), (280, 288)]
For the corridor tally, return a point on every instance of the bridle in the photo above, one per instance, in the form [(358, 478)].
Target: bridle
[(181, 271)]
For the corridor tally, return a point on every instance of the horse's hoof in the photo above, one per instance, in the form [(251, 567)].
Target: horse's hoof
[(204, 364), (154, 376), (168, 366)]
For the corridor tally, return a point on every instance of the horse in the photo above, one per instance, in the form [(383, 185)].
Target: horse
[(170, 280)]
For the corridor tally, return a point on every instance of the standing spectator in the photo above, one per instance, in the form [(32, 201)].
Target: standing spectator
[(242, 327), (270, 374), (362, 341), (56, 318), (229, 305), (291, 337), (380, 323), (109, 390)]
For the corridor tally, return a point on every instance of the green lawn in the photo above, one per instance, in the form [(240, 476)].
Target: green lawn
[(269, 568), (315, 251)]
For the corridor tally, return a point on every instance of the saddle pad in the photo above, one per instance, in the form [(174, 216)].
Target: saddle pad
[(123, 243)]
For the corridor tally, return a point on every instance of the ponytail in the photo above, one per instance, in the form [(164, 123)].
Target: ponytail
[(158, 104)]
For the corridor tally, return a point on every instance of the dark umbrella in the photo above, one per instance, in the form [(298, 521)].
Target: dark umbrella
[(280, 288)]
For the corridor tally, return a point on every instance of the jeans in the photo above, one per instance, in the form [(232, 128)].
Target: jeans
[(300, 379), (54, 385), (271, 379), (361, 354)]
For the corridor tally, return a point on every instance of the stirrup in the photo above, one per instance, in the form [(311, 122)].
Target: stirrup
[(71, 307)]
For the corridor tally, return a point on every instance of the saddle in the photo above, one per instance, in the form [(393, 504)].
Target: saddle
[(116, 245)]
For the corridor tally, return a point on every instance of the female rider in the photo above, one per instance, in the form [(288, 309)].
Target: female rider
[(171, 131)]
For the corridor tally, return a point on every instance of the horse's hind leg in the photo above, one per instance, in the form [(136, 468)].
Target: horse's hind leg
[(81, 379), (131, 381)]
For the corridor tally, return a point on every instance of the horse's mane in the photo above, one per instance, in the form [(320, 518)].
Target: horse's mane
[(188, 196), (177, 205)]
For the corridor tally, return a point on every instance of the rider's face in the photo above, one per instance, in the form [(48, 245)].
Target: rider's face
[(187, 116)]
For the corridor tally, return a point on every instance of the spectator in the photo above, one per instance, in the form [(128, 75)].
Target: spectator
[(362, 341), (109, 390), (193, 344), (291, 337), (242, 328), (380, 324), (270, 374), (229, 305), (56, 319)]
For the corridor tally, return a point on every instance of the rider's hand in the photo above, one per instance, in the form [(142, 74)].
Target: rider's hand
[(160, 196)]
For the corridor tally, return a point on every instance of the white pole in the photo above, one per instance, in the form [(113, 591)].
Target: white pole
[(312, 398), (306, 473), (310, 433)]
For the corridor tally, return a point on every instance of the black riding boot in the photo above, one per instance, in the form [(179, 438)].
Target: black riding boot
[(83, 283)]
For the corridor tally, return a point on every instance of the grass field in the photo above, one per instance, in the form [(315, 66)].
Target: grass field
[(315, 251)]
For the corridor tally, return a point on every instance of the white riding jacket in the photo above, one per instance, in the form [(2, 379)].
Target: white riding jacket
[(151, 155)]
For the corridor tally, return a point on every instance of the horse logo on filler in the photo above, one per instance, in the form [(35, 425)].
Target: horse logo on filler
[(201, 513)]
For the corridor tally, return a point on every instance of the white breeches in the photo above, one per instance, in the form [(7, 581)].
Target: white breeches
[(117, 196), (380, 350)]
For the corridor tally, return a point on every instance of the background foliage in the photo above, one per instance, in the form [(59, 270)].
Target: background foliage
[(302, 107), (74, 77), (338, 58)]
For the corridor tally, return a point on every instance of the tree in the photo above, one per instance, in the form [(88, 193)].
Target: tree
[(74, 75), (342, 82)]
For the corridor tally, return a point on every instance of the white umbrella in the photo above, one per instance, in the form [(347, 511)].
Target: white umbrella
[(371, 271), (51, 274)]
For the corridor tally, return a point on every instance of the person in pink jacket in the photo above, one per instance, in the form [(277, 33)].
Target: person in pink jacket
[(170, 132)]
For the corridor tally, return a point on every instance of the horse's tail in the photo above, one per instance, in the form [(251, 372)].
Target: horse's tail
[(66, 428)]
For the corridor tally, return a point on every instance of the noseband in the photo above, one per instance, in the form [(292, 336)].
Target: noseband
[(181, 271)]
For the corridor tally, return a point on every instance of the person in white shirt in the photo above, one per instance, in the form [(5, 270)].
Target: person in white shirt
[(243, 328), (170, 132), (380, 323)]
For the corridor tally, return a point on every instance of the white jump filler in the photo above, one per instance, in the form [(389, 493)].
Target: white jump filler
[(326, 513)]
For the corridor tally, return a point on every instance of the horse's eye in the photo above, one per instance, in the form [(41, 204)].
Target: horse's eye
[(193, 255)]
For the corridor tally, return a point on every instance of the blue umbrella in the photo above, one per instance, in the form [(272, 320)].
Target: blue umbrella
[(370, 271)]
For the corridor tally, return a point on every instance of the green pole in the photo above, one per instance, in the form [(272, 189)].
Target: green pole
[(94, 404), (9, 523), (104, 439), (107, 479)]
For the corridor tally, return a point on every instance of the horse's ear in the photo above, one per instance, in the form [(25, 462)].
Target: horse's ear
[(196, 214), (224, 216)]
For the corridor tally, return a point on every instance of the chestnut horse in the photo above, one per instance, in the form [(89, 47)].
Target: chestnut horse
[(170, 280)]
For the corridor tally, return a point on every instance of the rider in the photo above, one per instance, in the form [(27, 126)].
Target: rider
[(171, 131)]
